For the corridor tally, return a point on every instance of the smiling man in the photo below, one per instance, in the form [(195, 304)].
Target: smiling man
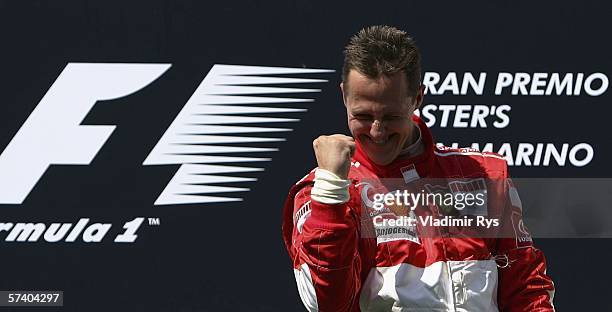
[(379, 111), (344, 262)]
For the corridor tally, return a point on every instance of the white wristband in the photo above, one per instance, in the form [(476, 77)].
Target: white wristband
[(329, 188)]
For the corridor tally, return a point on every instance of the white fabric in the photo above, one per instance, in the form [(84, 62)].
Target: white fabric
[(414, 148), (455, 286), (306, 288), (329, 188), (515, 199)]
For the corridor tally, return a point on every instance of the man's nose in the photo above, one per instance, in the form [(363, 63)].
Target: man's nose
[(377, 130)]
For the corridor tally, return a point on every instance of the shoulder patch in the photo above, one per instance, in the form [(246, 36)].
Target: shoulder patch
[(301, 215)]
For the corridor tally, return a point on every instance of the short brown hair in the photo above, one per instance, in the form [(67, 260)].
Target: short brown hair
[(383, 50)]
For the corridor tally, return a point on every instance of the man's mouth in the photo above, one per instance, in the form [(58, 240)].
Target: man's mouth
[(378, 142)]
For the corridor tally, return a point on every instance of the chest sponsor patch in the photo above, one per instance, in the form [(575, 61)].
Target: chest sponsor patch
[(460, 197), (476, 188), (523, 238), (410, 173), (391, 227)]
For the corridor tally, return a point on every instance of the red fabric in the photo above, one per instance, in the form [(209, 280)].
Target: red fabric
[(339, 258)]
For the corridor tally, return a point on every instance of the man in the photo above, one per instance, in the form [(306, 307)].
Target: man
[(345, 260)]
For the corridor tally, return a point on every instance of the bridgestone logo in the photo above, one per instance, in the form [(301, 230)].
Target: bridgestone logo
[(395, 230)]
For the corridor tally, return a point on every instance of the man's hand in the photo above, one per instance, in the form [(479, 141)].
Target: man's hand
[(334, 153)]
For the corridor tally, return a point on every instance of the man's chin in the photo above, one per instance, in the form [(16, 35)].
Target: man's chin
[(382, 161)]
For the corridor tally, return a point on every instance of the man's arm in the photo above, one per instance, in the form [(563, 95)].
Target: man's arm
[(326, 261), (324, 240), (524, 285)]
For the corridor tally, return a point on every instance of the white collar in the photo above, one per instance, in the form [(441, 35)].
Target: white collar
[(414, 148)]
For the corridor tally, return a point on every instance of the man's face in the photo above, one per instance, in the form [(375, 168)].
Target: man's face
[(380, 113)]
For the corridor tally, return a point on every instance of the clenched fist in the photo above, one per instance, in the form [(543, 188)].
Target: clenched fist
[(334, 153)]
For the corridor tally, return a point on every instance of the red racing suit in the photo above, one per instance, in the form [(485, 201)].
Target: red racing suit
[(338, 266)]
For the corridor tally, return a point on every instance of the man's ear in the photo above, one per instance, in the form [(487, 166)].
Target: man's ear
[(419, 97), (342, 91)]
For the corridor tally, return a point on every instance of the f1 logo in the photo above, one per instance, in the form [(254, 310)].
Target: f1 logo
[(52, 134), (220, 113)]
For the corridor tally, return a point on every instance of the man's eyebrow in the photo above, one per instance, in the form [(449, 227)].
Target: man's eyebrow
[(365, 112)]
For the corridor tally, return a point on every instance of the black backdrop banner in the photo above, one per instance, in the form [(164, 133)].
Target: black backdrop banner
[(147, 146)]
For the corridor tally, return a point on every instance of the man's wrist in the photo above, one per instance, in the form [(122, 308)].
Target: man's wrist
[(329, 188)]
